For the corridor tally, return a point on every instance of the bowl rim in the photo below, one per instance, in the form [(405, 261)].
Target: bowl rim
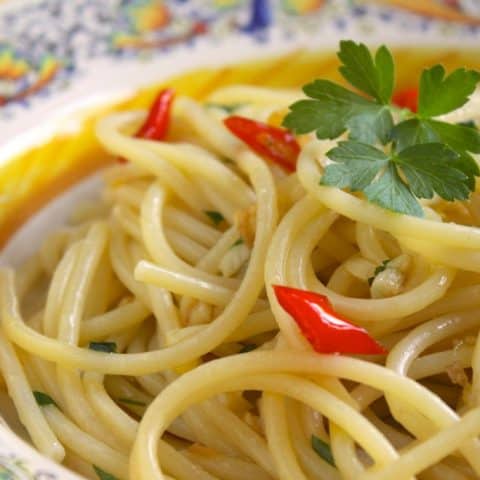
[(45, 118)]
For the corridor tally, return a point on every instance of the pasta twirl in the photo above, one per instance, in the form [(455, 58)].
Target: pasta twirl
[(155, 321)]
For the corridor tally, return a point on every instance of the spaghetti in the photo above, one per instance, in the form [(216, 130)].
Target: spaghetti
[(136, 338)]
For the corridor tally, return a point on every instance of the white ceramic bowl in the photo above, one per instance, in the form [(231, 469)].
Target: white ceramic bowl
[(69, 56)]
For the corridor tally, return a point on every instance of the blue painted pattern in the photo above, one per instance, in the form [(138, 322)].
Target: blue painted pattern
[(45, 44), (260, 16)]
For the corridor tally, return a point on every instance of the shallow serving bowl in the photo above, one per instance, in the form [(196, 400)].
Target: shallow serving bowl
[(64, 64)]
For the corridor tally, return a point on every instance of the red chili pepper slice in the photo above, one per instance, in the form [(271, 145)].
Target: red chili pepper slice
[(326, 330), (156, 124), (276, 144), (158, 119), (407, 98)]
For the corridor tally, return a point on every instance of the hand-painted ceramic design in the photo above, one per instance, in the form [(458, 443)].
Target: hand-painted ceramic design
[(45, 44), (464, 11), (20, 462), (16, 468)]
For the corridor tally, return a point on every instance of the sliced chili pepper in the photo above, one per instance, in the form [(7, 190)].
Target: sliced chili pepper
[(276, 144), (326, 330), (156, 124), (158, 119), (407, 98)]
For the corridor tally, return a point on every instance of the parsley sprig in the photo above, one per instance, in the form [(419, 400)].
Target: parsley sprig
[(393, 164)]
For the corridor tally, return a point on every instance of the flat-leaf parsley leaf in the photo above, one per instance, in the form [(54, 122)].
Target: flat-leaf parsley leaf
[(375, 78), (440, 94), (334, 110), (428, 168), (357, 164)]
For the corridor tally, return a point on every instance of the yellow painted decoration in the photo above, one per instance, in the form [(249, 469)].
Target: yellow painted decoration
[(226, 3), (149, 15), (125, 40), (48, 68), (302, 7), (12, 68), (433, 8), (32, 179)]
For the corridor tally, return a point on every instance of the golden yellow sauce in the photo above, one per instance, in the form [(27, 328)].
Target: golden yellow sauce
[(30, 180)]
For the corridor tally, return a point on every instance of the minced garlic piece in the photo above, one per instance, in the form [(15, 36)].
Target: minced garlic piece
[(389, 282), (234, 259), (245, 221), (200, 313), (457, 375)]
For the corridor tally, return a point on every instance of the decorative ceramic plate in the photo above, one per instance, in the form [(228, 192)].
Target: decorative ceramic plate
[(63, 64)]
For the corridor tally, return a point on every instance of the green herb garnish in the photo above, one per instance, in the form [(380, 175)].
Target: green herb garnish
[(322, 449), (394, 165), (43, 399), (382, 267), (468, 123), (216, 217), (334, 109), (238, 242), (103, 475), (106, 347), (226, 108), (248, 347), (130, 401)]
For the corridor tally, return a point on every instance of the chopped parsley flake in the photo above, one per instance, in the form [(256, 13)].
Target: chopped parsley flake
[(131, 401), (382, 267), (102, 475), (43, 399), (216, 217), (248, 347), (322, 449), (238, 242), (226, 108), (106, 347)]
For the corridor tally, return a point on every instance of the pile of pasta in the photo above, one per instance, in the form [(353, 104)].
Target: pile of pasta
[(203, 375)]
